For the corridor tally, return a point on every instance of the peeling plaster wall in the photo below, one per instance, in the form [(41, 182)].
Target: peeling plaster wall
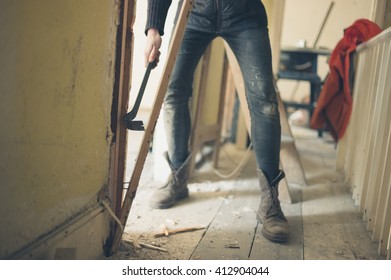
[(56, 86)]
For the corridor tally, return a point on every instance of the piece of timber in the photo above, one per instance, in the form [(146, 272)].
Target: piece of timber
[(196, 139)]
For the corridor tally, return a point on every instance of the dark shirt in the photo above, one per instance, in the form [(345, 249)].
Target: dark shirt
[(211, 15)]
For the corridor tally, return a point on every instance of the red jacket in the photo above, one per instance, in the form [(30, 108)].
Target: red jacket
[(335, 100)]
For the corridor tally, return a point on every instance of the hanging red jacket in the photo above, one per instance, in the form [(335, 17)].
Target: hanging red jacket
[(334, 106)]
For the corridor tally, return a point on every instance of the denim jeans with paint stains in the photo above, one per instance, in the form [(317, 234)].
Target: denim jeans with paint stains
[(252, 50)]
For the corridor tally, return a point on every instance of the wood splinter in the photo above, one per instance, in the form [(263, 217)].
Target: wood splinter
[(176, 231), (138, 245)]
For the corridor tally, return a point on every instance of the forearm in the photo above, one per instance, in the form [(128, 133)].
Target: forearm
[(156, 15)]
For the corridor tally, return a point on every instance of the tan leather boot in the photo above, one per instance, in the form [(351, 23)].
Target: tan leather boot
[(275, 226), (176, 187)]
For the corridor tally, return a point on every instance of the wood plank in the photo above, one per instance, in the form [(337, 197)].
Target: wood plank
[(368, 125), (381, 143), (231, 233), (196, 139), (352, 146), (239, 84), (389, 246), (290, 159), (276, 26), (235, 233), (203, 133), (361, 128), (372, 161), (168, 67), (386, 220), (206, 197), (208, 192), (383, 206), (230, 97), (335, 232), (221, 112), (285, 194)]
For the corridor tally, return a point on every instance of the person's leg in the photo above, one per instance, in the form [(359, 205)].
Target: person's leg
[(177, 118), (176, 103), (252, 50)]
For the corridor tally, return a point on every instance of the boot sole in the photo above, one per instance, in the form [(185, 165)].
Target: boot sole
[(167, 205), (274, 238)]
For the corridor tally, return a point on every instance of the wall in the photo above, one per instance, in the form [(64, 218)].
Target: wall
[(303, 20), (56, 86)]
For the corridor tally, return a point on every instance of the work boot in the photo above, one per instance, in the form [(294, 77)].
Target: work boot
[(175, 188), (275, 226)]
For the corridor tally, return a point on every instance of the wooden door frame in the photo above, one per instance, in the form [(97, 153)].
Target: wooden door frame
[(123, 73)]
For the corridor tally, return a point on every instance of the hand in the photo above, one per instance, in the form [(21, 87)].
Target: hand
[(151, 51)]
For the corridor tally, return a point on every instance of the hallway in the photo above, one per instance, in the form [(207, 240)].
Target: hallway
[(325, 224)]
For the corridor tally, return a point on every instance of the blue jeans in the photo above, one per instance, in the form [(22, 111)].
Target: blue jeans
[(252, 50)]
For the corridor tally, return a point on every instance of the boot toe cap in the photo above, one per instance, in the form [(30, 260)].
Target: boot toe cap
[(276, 230)]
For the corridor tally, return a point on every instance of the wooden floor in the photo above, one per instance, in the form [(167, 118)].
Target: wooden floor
[(325, 224)]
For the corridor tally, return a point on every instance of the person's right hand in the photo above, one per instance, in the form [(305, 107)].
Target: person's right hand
[(152, 46)]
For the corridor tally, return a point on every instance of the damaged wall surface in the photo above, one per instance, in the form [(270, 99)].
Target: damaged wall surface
[(56, 88)]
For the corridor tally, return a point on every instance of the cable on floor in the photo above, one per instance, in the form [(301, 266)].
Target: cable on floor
[(238, 168)]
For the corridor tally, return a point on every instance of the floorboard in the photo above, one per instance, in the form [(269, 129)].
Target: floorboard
[(325, 224), (263, 249), (333, 227), (231, 233)]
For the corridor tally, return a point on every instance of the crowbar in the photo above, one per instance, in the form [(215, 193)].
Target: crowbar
[(129, 117)]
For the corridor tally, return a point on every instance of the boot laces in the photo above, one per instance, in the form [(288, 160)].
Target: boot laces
[(275, 207), (173, 180)]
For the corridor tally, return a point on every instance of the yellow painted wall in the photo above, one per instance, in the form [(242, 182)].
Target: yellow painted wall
[(56, 86)]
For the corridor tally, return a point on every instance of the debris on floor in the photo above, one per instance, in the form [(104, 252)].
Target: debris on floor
[(139, 245), (167, 232), (232, 245)]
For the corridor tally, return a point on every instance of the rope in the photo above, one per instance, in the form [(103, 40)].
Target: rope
[(238, 168)]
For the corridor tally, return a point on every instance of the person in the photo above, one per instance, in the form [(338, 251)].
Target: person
[(244, 26)]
